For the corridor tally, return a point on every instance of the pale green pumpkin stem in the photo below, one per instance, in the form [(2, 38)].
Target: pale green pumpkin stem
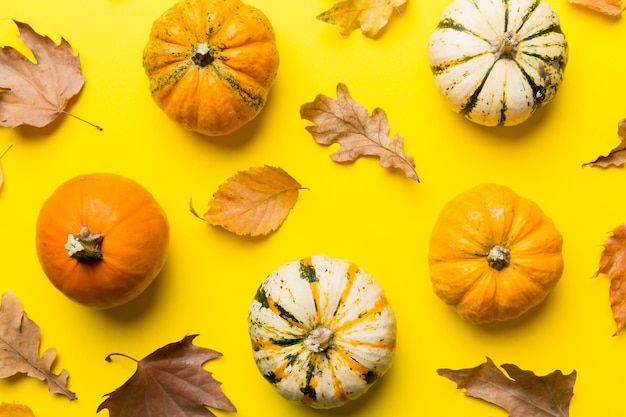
[(85, 246)]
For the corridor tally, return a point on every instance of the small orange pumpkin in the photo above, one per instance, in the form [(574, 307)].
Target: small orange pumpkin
[(101, 239), (494, 255), (211, 64)]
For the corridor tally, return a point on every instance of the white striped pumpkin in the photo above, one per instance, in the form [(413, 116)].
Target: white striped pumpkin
[(498, 61), (322, 331)]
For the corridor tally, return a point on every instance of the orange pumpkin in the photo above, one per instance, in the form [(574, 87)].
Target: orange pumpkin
[(101, 239), (211, 64), (494, 255)]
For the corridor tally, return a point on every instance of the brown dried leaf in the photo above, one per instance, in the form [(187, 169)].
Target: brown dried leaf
[(36, 93), (613, 264), (19, 348), (608, 7), (617, 156), (15, 410), (253, 202), (169, 382), (523, 394), (348, 123), (368, 15), (1, 171)]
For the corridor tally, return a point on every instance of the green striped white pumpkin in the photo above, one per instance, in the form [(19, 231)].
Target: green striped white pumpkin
[(498, 61), (322, 331)]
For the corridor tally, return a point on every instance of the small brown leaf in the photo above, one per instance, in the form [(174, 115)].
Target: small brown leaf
[(608, 7), (169, 382), (1, 171), (253, 202), (19, 348), (36, 93), (617, 156), (15, 410), (348, 123), (368, 15), (523, 394), (613, 265)]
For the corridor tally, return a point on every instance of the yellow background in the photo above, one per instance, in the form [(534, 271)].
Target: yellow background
[(374, 217)]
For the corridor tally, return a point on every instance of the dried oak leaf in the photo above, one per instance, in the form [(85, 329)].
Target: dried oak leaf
[(608, 7), (368, 15), (348, 123), (617, 156), (613, 264), (19, 348), (35, 93), (523, 394), (169, 382), (253, 202), (15, 409)]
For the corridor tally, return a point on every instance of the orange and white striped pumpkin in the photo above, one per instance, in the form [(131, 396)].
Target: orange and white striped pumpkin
[(322, 331)]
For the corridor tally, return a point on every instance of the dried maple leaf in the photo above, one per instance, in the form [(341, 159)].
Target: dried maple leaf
[(613, 264), (169, 382), (19, 348), (35, 93), (523, 394), (609, 7), (348, 123), (253, 202), (15, 410), (368, 15), (617, 156), (1, 172)]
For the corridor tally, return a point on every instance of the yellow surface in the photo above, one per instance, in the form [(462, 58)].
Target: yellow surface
[(361, 212)]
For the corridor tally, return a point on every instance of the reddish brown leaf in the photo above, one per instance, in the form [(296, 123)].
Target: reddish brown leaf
[(35, 93), (368, 15), (348, 123), (613, 264), (523, 394), (253, 202), (170, 382), (19, 348), (617, 156)]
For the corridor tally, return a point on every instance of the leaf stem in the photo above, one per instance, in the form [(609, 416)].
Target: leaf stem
[(100, 128), (108, 358), (5, 151)]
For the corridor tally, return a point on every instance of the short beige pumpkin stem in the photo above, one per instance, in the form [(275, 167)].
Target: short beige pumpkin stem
[(85, 246), (499, 257), (505, 47), (319, 339)]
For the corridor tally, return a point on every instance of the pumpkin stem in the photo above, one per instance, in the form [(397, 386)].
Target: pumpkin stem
[(84, 246), (505, 47), (319, 339), (202, 55), (499, 257)]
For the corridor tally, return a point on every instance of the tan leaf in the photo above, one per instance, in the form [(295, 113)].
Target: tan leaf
[(617, 156), (253, 202), (348, 123), (1, 171), (36, 93), (523, 394), (19, 348), (613, 264), (15, 410), (368, 15), (608, 7), (169, 382)]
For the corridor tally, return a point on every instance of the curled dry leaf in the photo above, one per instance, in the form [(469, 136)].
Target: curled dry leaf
[(19, 348), (253, 202), (368, 15), (523, 394), (35, 93), (608, 7), (348, 123), (613, 265), (15, 409), (169, 382), (617, 156)]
